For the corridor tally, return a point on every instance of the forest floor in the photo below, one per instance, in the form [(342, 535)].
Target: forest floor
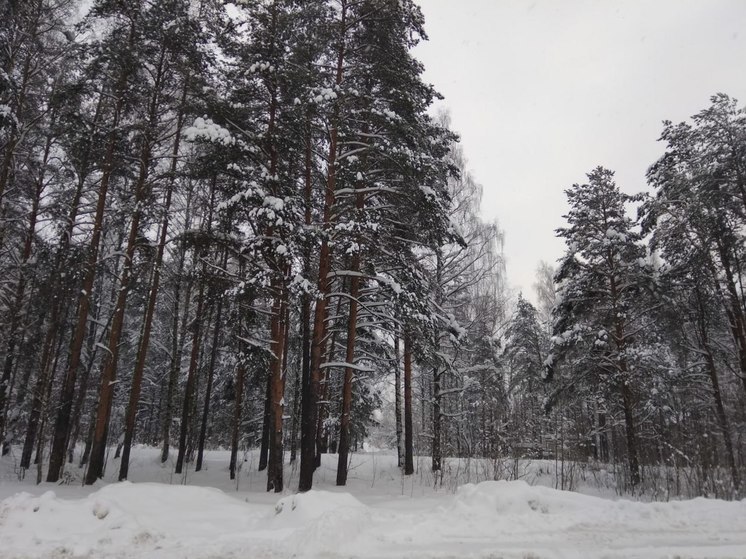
[(380, 514)]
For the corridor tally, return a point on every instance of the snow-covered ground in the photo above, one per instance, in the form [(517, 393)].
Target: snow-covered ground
[(379, 514)]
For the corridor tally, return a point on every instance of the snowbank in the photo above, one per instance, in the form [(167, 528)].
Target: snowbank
[(123, 520), (490, 519), (320, 523)]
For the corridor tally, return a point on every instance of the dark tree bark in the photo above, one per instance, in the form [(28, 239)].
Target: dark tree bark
[(344, 424), (210, 375), (277, 392), (408, 434), (191, 376), (620, 338), (296, 409), (266, 422), (94, 340), (309, 397), (398, 402), (235, 436), (324, 437), (437, 373), (629, 424)]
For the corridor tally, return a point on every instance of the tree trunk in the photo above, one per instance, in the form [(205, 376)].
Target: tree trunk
[(60, 300), (39, 404), (344, 423), (308, 462), (398, 403), (143, 344), (91, 348), (110, 360), (717, 395), (408, 434), (38, 416), (437, 374), (235, 436), (266, 421), (210, 375), (178, 340), (733, 302), (45, 402), (62, 422), (191, 376), (324, 439), (634, 461), (436, 451), (309, 396), (277, 392)]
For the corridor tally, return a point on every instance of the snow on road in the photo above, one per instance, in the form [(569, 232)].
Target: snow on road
[(490, 519)]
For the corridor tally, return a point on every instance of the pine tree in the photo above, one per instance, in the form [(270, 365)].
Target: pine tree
[(118, 51), (526, 348), (602, 282)]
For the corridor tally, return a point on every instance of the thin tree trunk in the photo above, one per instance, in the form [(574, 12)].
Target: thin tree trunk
[(309, 406), (408, 434), (178, 340), (344, 423), (627, 397), (266, 419), (277, 393), (324, 437), (437, 373), (91, 347), (354, 295), (44, 403), (436, 450), (43, 383), (88, 440), (296, 409), (77, 408), (722, 419), (191, 376), (398, 403), (44, 395), (235, 436), (210, 375)]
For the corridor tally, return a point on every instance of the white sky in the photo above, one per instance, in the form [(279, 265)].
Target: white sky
[(543, 91)]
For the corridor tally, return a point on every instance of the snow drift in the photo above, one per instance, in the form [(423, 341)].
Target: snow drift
[(491, 519)]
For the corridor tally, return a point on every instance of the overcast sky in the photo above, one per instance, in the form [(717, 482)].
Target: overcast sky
[(543, 91)]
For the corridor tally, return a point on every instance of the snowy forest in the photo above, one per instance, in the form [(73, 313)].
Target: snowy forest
[(244, 226)]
